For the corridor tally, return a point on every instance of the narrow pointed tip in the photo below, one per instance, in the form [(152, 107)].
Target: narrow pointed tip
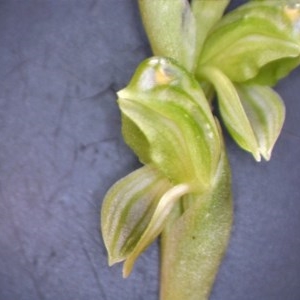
[(125, 274), (257, 156), (267, 156), (112, 260), (120, 93), (123, 94), (266, 153), (126, 270)]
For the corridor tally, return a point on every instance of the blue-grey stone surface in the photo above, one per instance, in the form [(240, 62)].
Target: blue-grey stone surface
[(61, 62)]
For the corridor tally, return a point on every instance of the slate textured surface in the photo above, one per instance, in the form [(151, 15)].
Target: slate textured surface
[(61, 62)]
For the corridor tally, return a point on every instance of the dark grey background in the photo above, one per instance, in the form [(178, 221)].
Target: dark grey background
[(61, 62)]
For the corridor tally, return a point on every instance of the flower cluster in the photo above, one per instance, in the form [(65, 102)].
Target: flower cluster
[(183, 189)]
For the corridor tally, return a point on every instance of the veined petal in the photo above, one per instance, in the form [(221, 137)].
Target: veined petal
[(255, 41), (156, 224), (127, 209), (165, 109), (266, 112), (232, 111)]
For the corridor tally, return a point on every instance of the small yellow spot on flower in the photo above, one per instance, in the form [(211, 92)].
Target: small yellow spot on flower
[(161, 77)]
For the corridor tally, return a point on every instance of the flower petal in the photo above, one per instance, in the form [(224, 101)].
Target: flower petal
[(232, 111), (167, 121), (266, 112), (128, 208), (253, 36), (156, 224)]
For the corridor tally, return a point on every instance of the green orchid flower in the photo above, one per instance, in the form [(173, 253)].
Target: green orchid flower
[(168, 123), (164, 104), (254, 46)]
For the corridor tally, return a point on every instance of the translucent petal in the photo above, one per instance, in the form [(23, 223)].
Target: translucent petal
[(266, 112), (247, 40), (128, 208), (167, 121), (156, 224), (232, 111)]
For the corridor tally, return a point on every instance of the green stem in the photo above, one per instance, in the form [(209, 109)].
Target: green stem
[(193, 245)]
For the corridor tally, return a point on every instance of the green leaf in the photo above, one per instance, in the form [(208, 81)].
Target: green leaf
[(128, 208), (266, 112), (171, 30), (193, 245), (167, 121), (253, 36), (232, 111)]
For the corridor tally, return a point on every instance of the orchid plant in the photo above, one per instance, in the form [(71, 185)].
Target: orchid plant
[(182, 193)]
